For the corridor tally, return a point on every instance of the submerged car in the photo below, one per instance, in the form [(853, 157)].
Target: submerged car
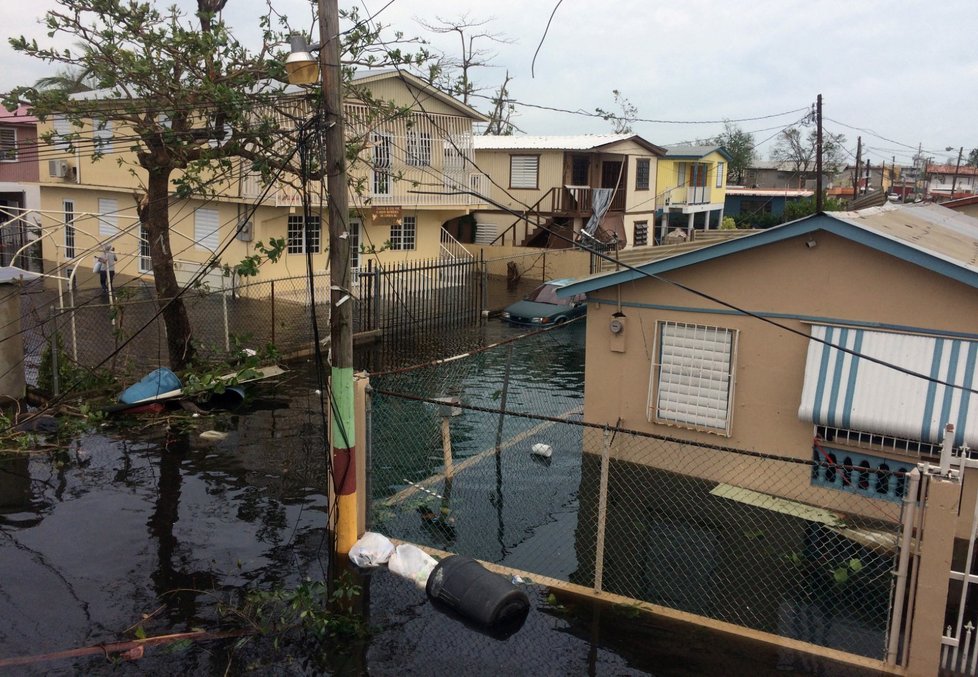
[(542, 307)]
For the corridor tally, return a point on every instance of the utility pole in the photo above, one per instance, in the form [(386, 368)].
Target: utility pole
[(857, 176), (343, 439), (818, 156), (954, 181)]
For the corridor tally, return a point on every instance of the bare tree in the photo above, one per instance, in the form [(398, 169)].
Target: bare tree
[(621, 122), (798, 151), (503, 110), (453, 73)]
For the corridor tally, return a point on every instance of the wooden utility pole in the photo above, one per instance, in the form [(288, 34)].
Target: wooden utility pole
[(957, 168), (857, 176), (342, 429), (819, 200)]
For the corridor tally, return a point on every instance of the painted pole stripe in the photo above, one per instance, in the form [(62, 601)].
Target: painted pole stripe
[(343, 429)]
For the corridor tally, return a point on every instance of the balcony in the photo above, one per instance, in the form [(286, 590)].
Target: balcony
[(688, 196), (577, 201)]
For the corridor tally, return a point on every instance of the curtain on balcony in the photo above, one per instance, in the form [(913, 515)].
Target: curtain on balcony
[(600, 201)]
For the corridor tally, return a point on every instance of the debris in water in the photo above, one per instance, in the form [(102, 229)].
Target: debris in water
[(213, 435), (541, 449)]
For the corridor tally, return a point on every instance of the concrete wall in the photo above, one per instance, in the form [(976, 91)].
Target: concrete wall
[(11, 345), (533, 263)]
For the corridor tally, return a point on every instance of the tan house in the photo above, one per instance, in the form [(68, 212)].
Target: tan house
[(848, 339), (405, 180), (600, 188)]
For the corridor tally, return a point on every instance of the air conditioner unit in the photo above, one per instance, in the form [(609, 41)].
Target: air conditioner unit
[(58, 168)]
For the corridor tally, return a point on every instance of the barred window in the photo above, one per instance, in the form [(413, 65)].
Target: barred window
[(102, 135), (69, 216), (418, 149), (404, 234), (642, 173), (692, 383), (641, 236), (300, 240), (381, 159)]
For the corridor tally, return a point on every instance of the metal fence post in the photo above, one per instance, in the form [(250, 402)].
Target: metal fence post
[(224, 302), (602, 512), (273, 312), (55, 381), (376, 291)]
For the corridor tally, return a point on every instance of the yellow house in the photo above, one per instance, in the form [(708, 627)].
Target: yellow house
[(404, 188), (692, 185), (602, 185)]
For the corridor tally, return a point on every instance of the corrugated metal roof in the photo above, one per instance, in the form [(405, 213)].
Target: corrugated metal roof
[(528, 142), (927, 227), (768, 192), (692, 151), (928, 235)]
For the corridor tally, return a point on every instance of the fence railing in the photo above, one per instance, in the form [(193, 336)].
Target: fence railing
[(726, 534)]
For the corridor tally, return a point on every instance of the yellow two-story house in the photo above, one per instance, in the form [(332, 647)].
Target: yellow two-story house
[(692, 184), (404, 188)]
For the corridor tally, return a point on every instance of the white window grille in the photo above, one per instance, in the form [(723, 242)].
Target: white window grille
[(692, 381), (108, 217), (207, 226), (404, 234), (145, 259), (418, 149), (300, 240), (69, 217), (353, 233), (524, 171), (381, 160), (8, 144)]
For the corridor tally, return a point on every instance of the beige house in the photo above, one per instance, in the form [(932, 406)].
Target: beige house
[(404, 188), (779, 343), (603, 186)]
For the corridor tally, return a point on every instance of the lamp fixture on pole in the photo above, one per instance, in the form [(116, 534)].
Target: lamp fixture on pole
[(304, 70)]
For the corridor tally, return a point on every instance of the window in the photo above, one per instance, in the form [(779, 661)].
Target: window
[(381, 159), (108, 214), (8, 144), (301, 240), (642, 174), (680, 173), (102, 135), (523, 171), (719, 175), (404, 234), (693, 380), (206, 229), (580, 170), (62, 129), (418, 149), (145, 259), (69, 215), (641, 236), (353, 232)]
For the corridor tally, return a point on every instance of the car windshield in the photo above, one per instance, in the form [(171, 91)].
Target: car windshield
[(547, 293)]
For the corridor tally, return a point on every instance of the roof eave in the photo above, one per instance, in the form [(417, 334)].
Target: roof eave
[(816, 222)]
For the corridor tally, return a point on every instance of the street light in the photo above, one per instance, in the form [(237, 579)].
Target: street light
[(302, 69), (301, 66)]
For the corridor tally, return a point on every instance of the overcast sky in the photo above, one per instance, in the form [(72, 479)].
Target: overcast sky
[(898, 73)]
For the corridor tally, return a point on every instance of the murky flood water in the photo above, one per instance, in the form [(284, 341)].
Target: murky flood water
[(152, 530)]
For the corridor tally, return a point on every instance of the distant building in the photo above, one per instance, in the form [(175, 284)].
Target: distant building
[(18, 181), (760, 207)]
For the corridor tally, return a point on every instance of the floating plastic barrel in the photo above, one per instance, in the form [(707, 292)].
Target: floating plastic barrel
[(486, 599)]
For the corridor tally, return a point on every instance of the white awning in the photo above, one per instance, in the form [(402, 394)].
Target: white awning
[(853, 393)]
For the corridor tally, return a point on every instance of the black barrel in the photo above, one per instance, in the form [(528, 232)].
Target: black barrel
[(484, 598)]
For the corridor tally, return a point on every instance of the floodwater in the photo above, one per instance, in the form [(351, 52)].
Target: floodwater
[(151, 530)]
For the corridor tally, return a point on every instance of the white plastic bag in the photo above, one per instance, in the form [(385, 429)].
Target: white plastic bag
[(98, 265), (413, 563), (371, 550)]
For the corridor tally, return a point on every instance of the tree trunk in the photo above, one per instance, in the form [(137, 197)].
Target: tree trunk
[(154, 214)]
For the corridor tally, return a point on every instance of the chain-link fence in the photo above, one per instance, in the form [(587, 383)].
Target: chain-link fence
[(486, 456)]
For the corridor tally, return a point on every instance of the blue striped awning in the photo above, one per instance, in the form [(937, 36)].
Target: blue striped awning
[(853, 393)]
